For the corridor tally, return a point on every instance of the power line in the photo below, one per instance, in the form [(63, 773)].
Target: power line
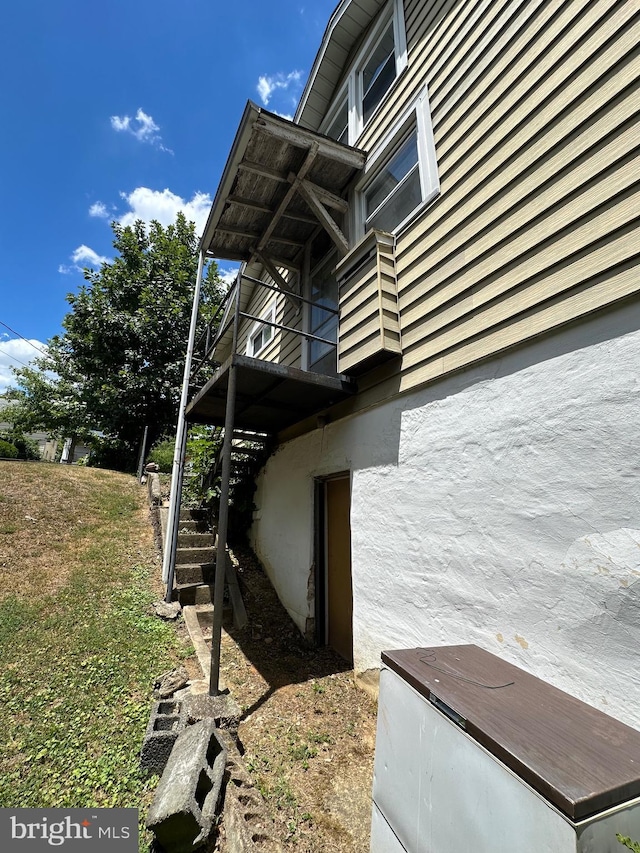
[(13, 358), (30, 366), (23, 338)]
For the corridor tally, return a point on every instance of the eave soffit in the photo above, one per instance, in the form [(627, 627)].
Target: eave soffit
[(346, 26)]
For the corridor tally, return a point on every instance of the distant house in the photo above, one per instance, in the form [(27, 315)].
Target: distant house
[(437, 319), (48, 446)]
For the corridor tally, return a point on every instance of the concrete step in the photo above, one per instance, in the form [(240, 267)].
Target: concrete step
[(194, 515), (194, 526), (194, 593), (195, 555), (196, 540), (193, 573)]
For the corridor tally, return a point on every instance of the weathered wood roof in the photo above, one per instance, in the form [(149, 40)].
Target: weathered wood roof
[(279, 183)]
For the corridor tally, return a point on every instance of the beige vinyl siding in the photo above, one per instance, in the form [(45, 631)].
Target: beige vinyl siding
[(369, 329), (284, 347), (290, 352), (535, 112)]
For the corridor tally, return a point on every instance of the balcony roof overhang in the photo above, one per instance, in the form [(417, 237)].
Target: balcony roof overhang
[(279, 183), (269, 397)]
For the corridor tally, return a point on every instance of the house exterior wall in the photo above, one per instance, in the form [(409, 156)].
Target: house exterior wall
[(284, 347), (535, 116), (534, 107), (499, 507)]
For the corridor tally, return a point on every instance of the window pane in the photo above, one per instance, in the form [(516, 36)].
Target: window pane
[(324, 292), (391, 175), (400, 205), (339, 127), (378, 73)]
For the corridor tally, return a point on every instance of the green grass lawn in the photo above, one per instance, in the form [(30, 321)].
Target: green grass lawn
[(79, 646)]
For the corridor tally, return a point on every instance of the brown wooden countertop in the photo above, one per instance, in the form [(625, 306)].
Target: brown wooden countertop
[(578, 758)]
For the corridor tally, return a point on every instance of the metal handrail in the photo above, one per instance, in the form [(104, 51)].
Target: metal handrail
[(234, 290), (302, 334), (291, 294)]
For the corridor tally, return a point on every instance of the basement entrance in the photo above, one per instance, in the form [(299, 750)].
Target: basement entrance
[(334, 595)]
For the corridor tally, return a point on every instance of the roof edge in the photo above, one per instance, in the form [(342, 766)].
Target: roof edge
[(332, 26), (250, 114)]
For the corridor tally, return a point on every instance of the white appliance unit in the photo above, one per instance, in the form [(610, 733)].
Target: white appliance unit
[(474, 755)]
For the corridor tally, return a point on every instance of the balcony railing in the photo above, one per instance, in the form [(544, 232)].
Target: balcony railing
[(229, 314)]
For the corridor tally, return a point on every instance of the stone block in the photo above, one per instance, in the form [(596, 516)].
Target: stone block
[(184, 808), (222, 709), (154, 490), (166, 722)]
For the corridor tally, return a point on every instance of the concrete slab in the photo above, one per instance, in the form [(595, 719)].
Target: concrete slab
[(192, 622)]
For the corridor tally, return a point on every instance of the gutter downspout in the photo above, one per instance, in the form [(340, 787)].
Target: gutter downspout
[(169, 555)]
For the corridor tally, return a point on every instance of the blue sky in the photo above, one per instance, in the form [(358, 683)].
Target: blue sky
[(123, 110)]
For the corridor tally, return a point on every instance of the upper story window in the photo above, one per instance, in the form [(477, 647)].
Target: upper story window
[(338, 127), (395, 191), (378, 73), (378, 63), (401, 175)]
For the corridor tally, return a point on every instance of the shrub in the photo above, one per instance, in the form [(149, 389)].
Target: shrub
[(162, 454), (27, 448), (109, 452), (8, 450), (203, 444)]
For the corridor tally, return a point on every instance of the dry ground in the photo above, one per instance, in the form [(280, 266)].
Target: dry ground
[(307, 731), (47, 512)]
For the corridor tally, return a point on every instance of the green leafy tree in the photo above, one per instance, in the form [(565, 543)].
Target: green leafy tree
[(119, 363), (628, 843)]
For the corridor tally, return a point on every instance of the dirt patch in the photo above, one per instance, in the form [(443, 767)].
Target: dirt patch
[(307, 731)]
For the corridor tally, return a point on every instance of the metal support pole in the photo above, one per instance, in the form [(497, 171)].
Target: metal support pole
[(143, 450), (181, 449), (223, 514), (169, 555)]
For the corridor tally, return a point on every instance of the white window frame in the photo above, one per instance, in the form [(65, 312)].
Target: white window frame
[(352, 88), (306, 316), (338, 102), (417, 116), (258, 328)]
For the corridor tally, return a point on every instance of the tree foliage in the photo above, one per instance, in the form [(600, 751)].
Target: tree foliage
[(118, 365)]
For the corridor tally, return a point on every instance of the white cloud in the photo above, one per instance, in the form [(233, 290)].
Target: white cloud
[(228, 274), (142, 127), (83, 257), (14, 351), (267, 84), (83, 254), (99, 210), (148, 204)]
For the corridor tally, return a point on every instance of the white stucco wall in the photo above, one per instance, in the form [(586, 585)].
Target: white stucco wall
[(500, 507)]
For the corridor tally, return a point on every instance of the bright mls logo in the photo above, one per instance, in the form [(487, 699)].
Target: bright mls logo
[(36, 830)]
